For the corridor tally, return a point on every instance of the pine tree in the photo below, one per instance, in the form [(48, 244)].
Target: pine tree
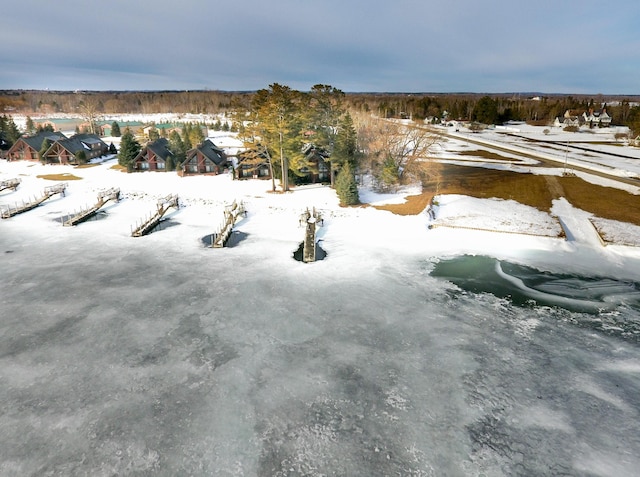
[(30, 126), (346, 186), (81, 157), (345, 146), (9, 132), (176, 146), (43, 149), (186, 136), (153, 134), (129, 149), (115, 129), (170, 163), (196, 135)]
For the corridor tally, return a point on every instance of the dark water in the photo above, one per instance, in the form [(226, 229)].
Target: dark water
[(101, 214), (526, 286), (299, 254), (234, 239)]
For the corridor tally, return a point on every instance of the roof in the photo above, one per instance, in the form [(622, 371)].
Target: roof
[(35, 142), (80, 142), (209, 150), (160, 147)]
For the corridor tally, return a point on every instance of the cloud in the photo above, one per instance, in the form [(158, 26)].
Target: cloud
[(357, 45)]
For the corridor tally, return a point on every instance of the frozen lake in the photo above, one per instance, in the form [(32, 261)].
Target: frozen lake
[(149, 356)]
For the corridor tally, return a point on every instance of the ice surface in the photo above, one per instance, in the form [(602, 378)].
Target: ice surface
[(159, 356)]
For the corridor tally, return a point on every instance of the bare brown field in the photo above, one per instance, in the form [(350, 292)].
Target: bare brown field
[(534, 190), (59, 177)]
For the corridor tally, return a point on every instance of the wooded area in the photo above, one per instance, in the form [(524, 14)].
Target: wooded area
[(532, 107)]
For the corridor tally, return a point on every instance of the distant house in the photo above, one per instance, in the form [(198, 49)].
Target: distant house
[(59, 124), (65, 151), (153, 157), (597, 118), (133, 126), (252, 164), (317, 168), (568, 119), (207, 158), (28, 147)]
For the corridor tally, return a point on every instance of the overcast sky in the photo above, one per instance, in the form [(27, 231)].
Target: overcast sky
[(559, 46)]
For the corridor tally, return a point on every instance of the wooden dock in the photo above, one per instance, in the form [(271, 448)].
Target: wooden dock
[(103, 197), (231, 213), (146, 226), (49, 192), (311, 219), (9, 184)]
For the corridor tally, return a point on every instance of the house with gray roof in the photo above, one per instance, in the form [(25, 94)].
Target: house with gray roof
[(67, 151), (28, 147), (206, 158), (153, 157)]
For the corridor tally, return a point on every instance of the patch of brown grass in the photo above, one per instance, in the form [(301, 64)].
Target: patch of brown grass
[(59, 177), (484, 155), (85, 166), (534, 190), (605, 202)]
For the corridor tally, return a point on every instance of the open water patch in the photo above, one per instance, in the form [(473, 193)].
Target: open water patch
[(527, 286), (234, 239), (101, 214), (299, 254)]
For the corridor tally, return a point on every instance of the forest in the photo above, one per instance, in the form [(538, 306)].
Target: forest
[(534, 108)]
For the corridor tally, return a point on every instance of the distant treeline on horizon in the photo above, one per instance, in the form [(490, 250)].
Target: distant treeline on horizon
[(533, 107)]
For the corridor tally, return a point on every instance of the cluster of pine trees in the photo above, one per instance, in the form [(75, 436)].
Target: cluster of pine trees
[(282, 124), (9, 132)]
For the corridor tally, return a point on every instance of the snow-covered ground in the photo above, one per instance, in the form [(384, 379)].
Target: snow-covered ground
[(158, 355)]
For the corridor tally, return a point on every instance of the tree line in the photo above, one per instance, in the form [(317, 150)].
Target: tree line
[(537, 109)]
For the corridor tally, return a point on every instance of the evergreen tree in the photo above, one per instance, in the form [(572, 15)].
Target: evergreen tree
[(276, 126), (115, 129), (43, 149), (153, 134), (129, 149), (170, 163), (485, 111), (81, 157), (186, 137), (176, 146), (196, 135), (9, 132), (346, 186), (112, 149), (345, 145), (30, 126)]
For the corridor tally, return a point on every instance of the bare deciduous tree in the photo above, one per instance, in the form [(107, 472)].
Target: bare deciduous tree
[(89, 109), (397, 153)]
